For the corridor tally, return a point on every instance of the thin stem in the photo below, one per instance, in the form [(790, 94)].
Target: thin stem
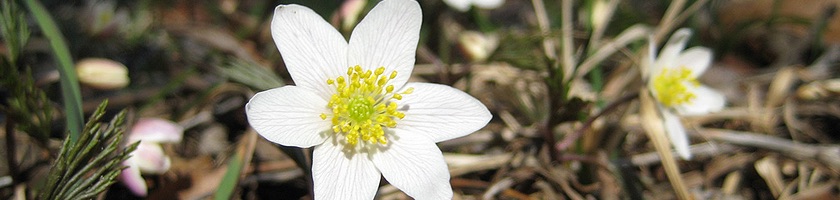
[(569, 62), (542, 22), (654, 128), (689, 11), (669, 19), (550, 51)]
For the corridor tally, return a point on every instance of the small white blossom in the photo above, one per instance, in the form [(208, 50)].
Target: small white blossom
[(351, 103), (672, 79)]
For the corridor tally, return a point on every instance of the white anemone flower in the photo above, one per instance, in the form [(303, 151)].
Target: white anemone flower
[(352, 104), (464, 5), (672, 79)]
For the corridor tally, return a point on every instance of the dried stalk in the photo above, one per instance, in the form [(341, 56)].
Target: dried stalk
[(829, 155), (656, 132)]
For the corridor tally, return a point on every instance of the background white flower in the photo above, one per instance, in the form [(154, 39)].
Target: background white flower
[(361, 127), (672, 78)]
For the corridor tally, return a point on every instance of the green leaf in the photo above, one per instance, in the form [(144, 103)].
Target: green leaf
[(236, 164), (69, 81), (231, 178)]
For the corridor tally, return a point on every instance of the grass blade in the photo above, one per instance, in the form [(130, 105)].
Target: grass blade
[(69, 81), (238, 162)]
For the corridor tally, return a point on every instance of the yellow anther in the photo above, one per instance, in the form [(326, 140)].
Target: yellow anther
[(370, 80), (672, 86), (393, 75), (381, 81), (379, 71), (408, 91), (323, 116), (397, 96)]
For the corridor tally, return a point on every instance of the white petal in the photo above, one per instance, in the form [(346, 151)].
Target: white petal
[(289, 116), (387, 37), (697, 59), (460, 5), (670, 52), (707, 100), (337, 176), (156, 130), (650, 63), (311, 48), (415, 165), (676, 132), (132, 179), (441, 112), (150, 158), (488, 4)]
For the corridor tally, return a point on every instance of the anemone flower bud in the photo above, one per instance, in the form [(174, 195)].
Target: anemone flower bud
[(477, 46), (102, 73)]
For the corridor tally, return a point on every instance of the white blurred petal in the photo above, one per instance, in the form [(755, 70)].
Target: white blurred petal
[(440, 112), (460, 5), (150, 158), (311, 48), (670, 52), (387, 37), (415, 165), (156, 130), (707, 100), (676, 133), (132, 179), (488, 4), (289, 116), (697, 59), (337, 176), (650, 64)]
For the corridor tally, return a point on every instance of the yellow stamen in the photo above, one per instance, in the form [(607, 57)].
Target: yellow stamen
[(363, 105), (672, 86)]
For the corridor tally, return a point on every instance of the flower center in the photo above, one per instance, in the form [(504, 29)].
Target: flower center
[(672, 86), (360, 109), (363, 105)]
